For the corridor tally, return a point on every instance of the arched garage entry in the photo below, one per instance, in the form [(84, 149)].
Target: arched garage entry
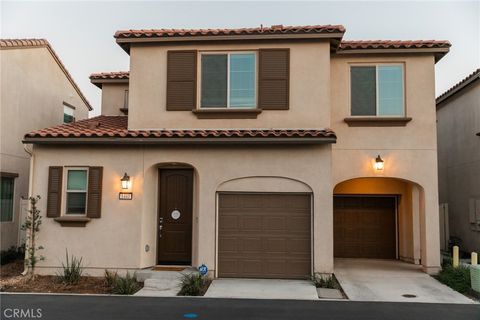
[(264, 228), (377, 218)]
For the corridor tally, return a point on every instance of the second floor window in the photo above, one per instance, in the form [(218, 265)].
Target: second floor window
[(6, 198), (68, 114), (377, 90), (228, 80)]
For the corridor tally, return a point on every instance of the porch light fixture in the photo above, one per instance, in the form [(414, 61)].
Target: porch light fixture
[(125, 181), (379, 163)]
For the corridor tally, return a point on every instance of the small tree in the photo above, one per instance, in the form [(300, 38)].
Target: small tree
[(32, 227)]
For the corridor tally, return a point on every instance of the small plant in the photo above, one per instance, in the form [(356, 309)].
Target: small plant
[(125, 285), (324, 281), (71, 271), (192, 284), (110, 278), (32, 227), (456, 278), (11, 254)]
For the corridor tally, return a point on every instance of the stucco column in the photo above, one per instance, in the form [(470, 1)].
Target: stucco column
[(429, 232), (416, 213)]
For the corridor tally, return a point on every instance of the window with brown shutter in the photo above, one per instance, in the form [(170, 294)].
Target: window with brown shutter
[(273, 79), (181, 80), (94, 202), (54, 197)]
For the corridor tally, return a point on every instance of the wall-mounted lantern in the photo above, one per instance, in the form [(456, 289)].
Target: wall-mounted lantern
[(379, 163), (126, 183)]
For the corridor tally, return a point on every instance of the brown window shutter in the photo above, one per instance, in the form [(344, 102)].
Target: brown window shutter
[(181, 80), (273, 79), (54, 197), (94, 201)]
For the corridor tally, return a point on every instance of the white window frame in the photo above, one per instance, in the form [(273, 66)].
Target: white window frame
[(66, 191), (377, 105), (228, 53)]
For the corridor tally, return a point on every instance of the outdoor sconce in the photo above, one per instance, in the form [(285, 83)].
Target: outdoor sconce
[(379, 163), (126, 183)]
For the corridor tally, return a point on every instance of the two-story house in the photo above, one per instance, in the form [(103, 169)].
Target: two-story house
[(261, 152), (458, 122), (37, 91)]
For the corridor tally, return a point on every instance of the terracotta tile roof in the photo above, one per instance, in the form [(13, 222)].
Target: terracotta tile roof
[(39, 43), (110, 75), (392, 44), (275, 29), (475, 75), (116, 127)]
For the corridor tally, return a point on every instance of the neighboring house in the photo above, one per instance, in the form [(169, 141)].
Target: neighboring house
[(227, 158), (36, 92), (458, 126)]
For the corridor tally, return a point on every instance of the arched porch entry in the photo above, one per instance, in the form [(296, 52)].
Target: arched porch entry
[(378, 218)]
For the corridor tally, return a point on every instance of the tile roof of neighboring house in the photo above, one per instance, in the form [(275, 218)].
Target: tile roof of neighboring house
[(39, 43), (125, 37), (439, 47), (471, 78), (113, 129), (113, 77)]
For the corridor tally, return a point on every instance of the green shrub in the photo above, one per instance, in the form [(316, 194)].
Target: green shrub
[(110, 278), (456, 278), (11, 254), (71, 271), (125, 285), (324, 281), (192, 284)]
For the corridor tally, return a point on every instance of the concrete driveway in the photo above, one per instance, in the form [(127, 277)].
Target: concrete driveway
[(262, 289), (390, 280)]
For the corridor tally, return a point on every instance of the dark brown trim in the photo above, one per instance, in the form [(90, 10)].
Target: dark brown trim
[(227, 113), (478, 134), (198, 141), (8, 174), (68, 105), (124, 110), (377, 121), (99, 82), (72, 221)]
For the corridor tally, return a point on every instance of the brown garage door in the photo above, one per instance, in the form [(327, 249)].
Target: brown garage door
[(264, 236), (364, 227)]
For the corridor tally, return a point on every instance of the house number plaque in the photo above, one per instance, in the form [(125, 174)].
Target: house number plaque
[(125, 196), (175, 214)]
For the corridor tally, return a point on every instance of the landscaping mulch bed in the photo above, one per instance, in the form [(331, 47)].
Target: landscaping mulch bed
[(11, 280)]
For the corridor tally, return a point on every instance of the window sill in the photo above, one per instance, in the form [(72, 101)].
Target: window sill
[(227, 113), (377, 121), (72, 221)]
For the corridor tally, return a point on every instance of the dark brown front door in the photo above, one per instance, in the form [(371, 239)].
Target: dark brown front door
[(264, 236), (175, 216), (364, 227)]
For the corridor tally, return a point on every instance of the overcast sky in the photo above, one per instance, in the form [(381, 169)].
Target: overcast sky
[(82, 32)]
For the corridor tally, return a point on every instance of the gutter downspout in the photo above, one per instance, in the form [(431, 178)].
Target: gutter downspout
[(30, 188)]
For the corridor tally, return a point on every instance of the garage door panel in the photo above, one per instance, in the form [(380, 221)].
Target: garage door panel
[(271, 239), (364, 227)]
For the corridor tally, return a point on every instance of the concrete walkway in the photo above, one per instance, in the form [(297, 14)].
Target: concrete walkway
[(390, 280), (160, 283), (262, 289)]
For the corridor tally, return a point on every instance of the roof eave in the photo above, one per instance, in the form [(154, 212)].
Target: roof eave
[(439, 53), (100, 82), (459, 88), (125, 42), (164, 141)]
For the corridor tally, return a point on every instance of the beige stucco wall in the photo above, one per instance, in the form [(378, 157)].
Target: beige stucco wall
[(33, 89), (309, 89), (409, 152), (118, 239), (113, 98), (459, 162)]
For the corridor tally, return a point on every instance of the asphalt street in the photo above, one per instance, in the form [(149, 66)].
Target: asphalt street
[(72, 307)]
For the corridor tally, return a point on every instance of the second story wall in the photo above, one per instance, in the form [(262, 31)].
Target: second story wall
[(309, 88), (419, 102), (114, 98)]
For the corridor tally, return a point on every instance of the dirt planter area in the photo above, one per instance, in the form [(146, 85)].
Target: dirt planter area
[(11, 280)]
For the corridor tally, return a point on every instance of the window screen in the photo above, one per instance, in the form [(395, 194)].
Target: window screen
[(214, 81), (6, 198), (76, 191), (390, 90), (363, 91), (242, 80)]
